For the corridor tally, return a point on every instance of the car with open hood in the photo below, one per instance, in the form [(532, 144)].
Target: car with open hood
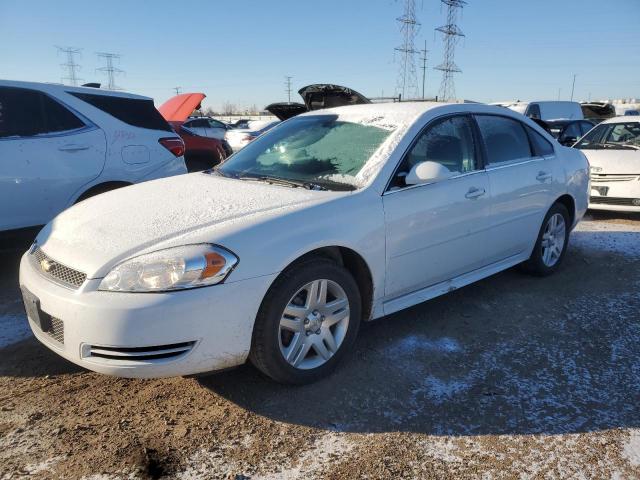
[(613, 151), (332, 218), (316, 97), (204, 137)]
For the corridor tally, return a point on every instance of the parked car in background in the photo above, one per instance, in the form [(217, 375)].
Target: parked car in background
[(613, 151), (239, 138), (547, 110), (567, 132), (205, 145), (597, 111), (60, 145), (241, 123), (332, 218), (315, 97)]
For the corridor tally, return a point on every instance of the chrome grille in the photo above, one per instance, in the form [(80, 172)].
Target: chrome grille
[(596, 178), (56, 331), (628, 202), (57, 271)]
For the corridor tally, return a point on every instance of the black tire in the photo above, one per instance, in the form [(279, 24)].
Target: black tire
[(265, 347), (536, 265)]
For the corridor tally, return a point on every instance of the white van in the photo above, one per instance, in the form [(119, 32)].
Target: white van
[(548, 110)]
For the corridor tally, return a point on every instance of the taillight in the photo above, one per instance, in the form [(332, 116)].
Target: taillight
[(174, 144)]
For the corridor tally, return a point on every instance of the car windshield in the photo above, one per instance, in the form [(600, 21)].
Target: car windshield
[(622, 136), (324, 151)]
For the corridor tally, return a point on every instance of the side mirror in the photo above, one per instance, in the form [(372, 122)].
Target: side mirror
[(427, 172)]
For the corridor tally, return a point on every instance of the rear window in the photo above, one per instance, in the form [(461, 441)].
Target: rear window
[(27, 113), (133, 111)]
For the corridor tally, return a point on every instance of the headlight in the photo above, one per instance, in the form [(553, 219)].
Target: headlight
[(171, 269)]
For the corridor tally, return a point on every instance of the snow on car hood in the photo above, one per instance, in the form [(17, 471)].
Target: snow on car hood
[(614, 161), (106, 229)]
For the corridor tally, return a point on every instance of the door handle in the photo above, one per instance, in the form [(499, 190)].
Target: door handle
[(475, 192), (72, 147), (543, 176)]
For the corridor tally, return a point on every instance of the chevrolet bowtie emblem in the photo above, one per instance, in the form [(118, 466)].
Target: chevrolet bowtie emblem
[(46, 265)]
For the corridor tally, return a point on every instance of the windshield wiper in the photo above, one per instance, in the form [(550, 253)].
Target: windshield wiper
[(282, 181), (621, 146)]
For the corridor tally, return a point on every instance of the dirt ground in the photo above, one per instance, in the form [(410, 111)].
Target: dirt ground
[(512, 377)]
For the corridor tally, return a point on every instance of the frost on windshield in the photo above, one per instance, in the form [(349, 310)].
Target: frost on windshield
[(334, 151)]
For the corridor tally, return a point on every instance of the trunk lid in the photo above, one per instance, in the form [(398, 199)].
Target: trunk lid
[(326, 95)]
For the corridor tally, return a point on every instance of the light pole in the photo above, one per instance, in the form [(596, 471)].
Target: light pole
[(573, 86)]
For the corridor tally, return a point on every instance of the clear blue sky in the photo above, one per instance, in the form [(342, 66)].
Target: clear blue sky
[(239, 51)]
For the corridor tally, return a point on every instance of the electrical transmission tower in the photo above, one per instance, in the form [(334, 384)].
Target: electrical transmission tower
[(70, 67), (287, 87), (407, 84), (109, 69), (451, 34), (424, 66)]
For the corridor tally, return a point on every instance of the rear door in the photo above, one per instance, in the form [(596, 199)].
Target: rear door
[(437, 231), (520, 166), (47, 152)]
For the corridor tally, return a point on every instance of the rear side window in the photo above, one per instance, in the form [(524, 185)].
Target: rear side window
[(534, 111), (133, 111), (505, 139), (27, 113), (541, 146)]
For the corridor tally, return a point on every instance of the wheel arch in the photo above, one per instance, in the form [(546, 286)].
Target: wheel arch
[(101, 188), (570, 204), (354, 263)]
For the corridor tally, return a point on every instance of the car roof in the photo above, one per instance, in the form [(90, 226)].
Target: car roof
[(58, 87), (622, 119)]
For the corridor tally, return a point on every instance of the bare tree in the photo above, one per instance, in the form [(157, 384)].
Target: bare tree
[(228, 108)]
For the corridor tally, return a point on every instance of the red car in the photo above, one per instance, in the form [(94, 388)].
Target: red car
[(203, 138)]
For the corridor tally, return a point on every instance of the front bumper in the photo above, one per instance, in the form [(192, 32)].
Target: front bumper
[(147, 335), (621, 194)]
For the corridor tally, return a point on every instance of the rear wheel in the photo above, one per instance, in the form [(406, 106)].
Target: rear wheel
[(307, 322), (551, 244)]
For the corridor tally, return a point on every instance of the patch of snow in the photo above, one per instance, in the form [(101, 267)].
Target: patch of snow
[(631, 450), (13, 328), (420, 343), (608, 237), (313, 460), (439, 391)]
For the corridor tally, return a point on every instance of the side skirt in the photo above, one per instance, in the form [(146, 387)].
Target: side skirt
[(422, 295)]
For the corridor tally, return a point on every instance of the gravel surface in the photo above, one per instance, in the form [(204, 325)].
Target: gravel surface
[(513, 376)]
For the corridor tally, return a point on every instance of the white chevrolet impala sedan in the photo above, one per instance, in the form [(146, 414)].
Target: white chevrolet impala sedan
[(332, 218)]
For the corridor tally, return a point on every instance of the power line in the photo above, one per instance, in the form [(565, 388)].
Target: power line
[(70, 67), (287, 89), (451, 34), (424, 66), (409, 26), (109, 69)]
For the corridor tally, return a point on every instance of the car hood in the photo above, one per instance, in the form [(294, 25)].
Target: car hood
[(614, 161), (178, 108), (325, 95), (101, 231), (286, 110)]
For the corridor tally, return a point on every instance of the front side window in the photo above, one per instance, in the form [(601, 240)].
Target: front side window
[(326, 150), (620, 136), (29, 113), (505, 139)]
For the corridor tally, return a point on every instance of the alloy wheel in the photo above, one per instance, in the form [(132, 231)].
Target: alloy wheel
[(553, 240)]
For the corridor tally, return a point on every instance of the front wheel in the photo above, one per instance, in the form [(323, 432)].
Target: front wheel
[(551, 244), (307, 322)]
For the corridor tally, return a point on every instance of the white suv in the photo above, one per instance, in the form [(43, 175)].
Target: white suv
[(61, 144)]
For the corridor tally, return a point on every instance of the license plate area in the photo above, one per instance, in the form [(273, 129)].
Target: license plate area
[(34, 312)]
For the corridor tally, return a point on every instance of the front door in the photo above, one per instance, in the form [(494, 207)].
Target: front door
[(436, 231)]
